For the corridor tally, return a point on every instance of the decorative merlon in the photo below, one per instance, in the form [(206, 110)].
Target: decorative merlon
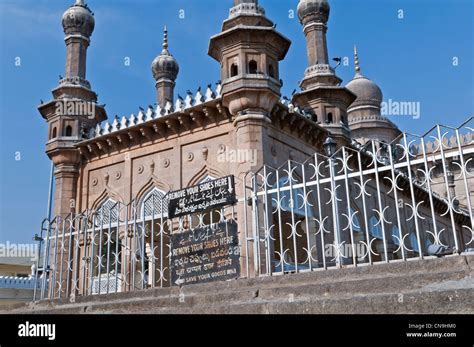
[(149, 115)]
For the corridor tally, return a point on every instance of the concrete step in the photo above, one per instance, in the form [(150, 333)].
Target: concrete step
[(363, 289), (422, 302), (438, 302), (333, 288)]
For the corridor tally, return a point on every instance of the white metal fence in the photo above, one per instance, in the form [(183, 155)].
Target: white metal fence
[(362, 204)]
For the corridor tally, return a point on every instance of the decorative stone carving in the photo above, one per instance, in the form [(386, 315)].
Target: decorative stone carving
[(222, 149), (140, 169), (205, 153), (190, 156), (273, 151)]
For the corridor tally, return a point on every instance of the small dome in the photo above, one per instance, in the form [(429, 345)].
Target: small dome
[(78, 19), (314, 9), (367, 91), (165, 65)]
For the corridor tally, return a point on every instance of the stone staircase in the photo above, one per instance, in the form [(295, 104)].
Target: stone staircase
[(429, 286)]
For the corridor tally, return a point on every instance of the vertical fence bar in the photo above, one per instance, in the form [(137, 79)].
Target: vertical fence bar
[(63, 249), (266, 225), (86, 251), (256, 225), (412, 193), (294, 234), (448, 191), (125, 255), (69, 256), (162, 238), (91, 269), (348, 202), (364, 208), (280, 226), (335, 212), (107, 256), (77, 240), (428, 186), (116, 254), (143, 248), (244, 209), (38, 259), (320, 210), (135, 244), (379, 200), (46, 259), (306, 217), (152, 243), (99, 265), (466, 184), (397, 209)]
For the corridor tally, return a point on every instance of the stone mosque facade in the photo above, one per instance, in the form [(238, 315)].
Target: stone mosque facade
[(180, 142), (177, 143)]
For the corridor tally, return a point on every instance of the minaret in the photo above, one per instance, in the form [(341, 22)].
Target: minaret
[(249, 50), (165, 70), (364, 114), (73, 112), (77, 39), (314, 16), (321, 93)]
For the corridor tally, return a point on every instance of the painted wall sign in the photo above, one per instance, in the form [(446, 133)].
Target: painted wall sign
[(205, 255), (202, 197)]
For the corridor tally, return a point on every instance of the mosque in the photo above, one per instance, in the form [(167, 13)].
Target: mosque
[(97, 158), (101, 163)]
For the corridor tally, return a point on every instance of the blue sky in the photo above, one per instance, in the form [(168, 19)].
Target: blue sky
[(411, 59)]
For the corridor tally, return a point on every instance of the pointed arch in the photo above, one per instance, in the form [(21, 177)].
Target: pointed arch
[(154, 204), (106, 194), (151, 199), (203, 173), (153, 182)]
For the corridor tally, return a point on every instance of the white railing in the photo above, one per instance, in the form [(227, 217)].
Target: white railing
[(12, 282), (363, 204), (107, 283)]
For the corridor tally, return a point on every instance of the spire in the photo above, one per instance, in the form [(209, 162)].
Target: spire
[(165, 38), (364, 114), (165, 70), (356, 61)]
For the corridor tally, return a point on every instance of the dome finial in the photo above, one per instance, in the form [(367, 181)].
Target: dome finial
[(368, 92), (165, 65), (80, 2), (165, 38), (356, 60)]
